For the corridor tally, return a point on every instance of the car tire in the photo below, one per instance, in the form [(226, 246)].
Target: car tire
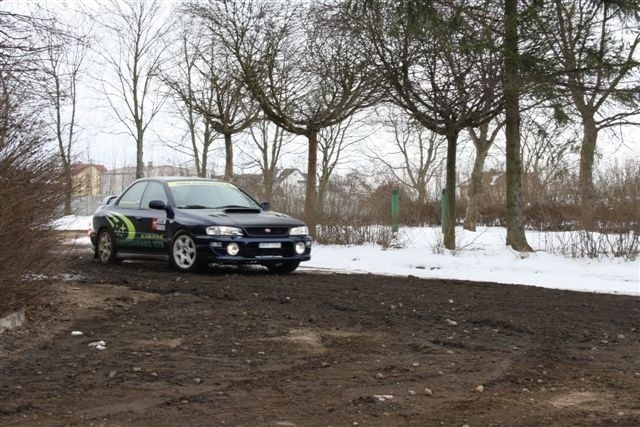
[(106, 247), (183, 253), (283, 267)]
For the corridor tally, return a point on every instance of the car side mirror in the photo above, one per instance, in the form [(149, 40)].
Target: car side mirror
[(160, 205), (107, 200), (266, 206), (157, 204)]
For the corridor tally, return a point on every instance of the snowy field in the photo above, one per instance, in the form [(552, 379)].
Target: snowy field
[(482, 256)]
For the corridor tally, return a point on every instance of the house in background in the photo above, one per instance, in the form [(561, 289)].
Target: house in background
[(292, 178), (292, 181), (87, 182), (287, 181), (116, 180), (87, 179)]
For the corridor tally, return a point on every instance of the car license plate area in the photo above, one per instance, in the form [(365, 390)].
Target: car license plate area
[(256, 250), (270, 245)]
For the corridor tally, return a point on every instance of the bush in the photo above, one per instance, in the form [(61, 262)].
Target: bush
[(356, 212), (30, 192), (355, 235), (587, 244)]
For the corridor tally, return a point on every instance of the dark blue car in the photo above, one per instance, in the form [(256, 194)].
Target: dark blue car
[(197, 222)]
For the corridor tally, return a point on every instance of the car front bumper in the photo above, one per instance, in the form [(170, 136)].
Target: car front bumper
[(214, 248)]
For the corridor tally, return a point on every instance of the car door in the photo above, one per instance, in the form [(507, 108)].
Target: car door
[(152, 223), (124, 217)]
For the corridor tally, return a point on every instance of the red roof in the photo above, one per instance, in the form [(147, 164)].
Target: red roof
[(79, 167)]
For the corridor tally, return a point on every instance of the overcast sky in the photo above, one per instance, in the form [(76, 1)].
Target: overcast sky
[(102, 139)]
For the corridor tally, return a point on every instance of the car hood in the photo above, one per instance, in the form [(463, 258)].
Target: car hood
[(243, 219)]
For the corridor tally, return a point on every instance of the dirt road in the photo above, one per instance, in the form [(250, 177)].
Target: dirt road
[(247, 348)]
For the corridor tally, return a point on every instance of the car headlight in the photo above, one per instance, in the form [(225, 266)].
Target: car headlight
[(299, 231), (223, 230)]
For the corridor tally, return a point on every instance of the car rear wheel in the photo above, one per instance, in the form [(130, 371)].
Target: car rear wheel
[(106, 247), (283, 267), (184, 256)]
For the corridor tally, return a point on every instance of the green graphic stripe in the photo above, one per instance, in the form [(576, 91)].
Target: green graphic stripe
[(128, 225)]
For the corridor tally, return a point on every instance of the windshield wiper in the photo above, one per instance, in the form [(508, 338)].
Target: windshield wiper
[(193, 207)]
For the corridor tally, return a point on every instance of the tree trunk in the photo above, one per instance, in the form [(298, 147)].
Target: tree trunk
[(68, 188), (450, 207), (207, 137), (310, 196), (204, 167), (139, 161), (194, 145), (422, 197), (475, 188), (322, 194), (268, 179), (228, 153), (516, 237), (587, 156)]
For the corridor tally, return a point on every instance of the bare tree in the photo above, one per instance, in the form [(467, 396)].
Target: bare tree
[(209, 87), (305, 75), (62, 66), (189, 92), (547, 146), (483, 138), (420, 153), (228, 110), (595, 55), (443, 75), (20, 47), (333, 143), (139, 29), (269, 140)]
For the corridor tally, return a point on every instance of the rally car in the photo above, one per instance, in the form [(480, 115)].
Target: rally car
[(196, 222)]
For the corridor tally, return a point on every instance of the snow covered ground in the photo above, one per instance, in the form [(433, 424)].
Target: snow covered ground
[(482, 256), (72, 223)]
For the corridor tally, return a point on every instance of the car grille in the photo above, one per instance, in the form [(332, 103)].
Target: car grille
[(262, 231)]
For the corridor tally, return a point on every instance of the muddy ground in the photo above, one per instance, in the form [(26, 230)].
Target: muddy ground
[(248, 348)]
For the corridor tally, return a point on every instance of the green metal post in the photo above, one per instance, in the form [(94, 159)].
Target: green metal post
[(443, 219), (395, 210)]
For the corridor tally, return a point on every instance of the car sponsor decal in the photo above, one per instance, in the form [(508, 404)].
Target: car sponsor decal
[(158, 224), (210, 183), (150, 236), (121, 226)]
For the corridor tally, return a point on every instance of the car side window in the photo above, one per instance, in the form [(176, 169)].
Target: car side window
[(154, 191), (131, 199)]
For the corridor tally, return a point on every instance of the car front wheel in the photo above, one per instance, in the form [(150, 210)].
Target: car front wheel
[(283, 267), (184, 256)]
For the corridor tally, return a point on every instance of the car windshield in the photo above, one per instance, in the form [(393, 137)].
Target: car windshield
[(209, 195)]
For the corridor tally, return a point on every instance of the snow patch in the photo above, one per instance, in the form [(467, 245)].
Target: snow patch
[(480, 256)]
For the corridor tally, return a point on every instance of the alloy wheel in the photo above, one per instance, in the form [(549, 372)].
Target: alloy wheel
[(184, 251)]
